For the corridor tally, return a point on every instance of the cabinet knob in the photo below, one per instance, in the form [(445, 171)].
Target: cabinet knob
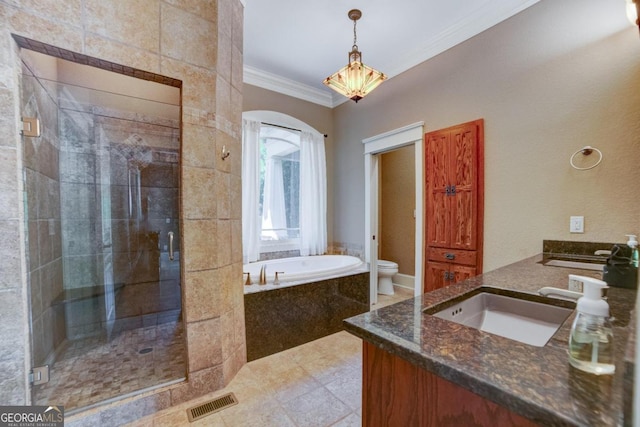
[(450, 256)]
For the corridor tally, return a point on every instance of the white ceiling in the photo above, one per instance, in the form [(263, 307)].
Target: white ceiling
[(290, 46)]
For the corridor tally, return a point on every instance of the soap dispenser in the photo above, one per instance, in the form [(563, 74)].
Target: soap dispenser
[(633, 244), (591, 339)]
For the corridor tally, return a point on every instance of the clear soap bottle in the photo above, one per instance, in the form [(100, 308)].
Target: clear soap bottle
[(591, 339), (633, 244)]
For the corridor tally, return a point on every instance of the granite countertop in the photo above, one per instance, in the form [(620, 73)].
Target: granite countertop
[(535, 382)]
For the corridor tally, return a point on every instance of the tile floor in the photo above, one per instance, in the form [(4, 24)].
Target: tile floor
[(315, 384), (92, 370)]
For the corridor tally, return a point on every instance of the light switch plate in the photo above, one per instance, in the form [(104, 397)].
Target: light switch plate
[(576, 224)]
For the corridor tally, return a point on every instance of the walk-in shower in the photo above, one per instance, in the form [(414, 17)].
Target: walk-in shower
[(101, 188)]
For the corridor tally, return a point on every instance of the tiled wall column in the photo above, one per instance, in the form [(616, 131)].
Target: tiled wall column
[(199, 43), (14, 317)]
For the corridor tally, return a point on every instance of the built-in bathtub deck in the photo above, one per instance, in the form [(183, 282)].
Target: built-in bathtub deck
[(290, 314)]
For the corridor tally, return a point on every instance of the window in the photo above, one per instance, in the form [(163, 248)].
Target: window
[(284, 186), (279, 191)]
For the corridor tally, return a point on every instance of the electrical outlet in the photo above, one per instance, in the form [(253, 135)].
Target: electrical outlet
[(576, 224)]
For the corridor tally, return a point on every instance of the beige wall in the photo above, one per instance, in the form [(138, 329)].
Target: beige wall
[(397, 203), (316, 116), (552, 79), (199, 43)]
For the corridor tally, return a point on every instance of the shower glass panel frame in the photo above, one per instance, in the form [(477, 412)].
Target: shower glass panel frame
[(101, 200)]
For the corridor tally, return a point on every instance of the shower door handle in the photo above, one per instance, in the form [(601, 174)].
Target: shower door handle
[(171, 245)]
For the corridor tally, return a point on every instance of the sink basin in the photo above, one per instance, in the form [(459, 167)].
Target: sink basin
[(507, 313), (575, 264)]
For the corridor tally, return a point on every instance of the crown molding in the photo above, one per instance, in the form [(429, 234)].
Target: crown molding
[(266, 80), (463, 30)]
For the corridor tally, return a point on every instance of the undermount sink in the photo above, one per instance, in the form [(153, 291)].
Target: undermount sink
[(532, 321), (574, 264)]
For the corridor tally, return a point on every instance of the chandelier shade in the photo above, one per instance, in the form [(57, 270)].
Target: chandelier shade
[(356, 79)]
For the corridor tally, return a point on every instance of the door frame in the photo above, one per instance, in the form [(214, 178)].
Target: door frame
[(405, 136)]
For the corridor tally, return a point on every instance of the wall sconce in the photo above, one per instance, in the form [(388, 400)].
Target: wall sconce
[(356, 79)]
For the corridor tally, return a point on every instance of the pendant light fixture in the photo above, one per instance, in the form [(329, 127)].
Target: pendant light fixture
[(355, 80)]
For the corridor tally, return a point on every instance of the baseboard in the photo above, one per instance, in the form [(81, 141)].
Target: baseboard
[(404, 281)]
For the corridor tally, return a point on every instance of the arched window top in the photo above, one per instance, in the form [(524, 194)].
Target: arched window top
[(280, 119)]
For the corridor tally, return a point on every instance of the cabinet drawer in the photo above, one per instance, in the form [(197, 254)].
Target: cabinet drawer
[(452, 255)]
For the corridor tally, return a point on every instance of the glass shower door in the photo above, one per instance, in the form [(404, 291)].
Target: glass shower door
[(102, 192)]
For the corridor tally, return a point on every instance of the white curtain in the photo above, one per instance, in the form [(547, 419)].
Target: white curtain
[(250, 188), (313, 195), (274, 217)]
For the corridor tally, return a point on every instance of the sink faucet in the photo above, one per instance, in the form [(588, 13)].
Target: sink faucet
[(263, 275), (548, 290)]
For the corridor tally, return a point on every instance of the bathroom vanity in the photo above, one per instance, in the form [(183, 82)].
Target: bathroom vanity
[(420, 369)]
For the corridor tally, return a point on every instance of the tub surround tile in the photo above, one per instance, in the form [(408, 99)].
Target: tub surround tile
[(535, 382), (280, 318)]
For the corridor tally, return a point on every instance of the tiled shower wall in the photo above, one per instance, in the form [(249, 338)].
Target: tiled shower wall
[(199, 43), (42, 185)]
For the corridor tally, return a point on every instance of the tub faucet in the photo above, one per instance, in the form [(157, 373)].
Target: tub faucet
[(276, 281), (263, 275)]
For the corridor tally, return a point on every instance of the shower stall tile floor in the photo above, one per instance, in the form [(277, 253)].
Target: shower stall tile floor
[(93, 370)]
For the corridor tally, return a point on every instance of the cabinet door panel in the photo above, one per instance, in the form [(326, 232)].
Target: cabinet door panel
[(463, 220), (464, 177), (462, 272), (437, 160), (437, 274), (463, 157), (438, 225), (438, 200)]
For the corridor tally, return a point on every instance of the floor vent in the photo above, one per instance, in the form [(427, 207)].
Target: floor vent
[(211, 407)]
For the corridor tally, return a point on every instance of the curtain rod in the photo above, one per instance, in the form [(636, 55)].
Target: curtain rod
[(285, 127)]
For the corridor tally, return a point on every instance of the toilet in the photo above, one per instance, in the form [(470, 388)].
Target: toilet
[(386, 270)]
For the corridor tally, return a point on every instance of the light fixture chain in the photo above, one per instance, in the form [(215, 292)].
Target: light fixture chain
[(355, 37)]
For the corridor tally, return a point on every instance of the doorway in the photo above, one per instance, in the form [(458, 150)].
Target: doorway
[(408, 136)]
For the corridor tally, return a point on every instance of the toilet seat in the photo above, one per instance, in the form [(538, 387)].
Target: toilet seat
[(386, 265)]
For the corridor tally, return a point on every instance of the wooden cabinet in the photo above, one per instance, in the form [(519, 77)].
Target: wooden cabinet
[(454, 200), (398, 393)]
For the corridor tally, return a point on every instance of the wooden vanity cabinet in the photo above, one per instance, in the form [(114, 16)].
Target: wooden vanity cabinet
[(454, 203), (397, 393)]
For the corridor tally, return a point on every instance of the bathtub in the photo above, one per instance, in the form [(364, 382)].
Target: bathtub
[(314, 296), (305, 268)]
